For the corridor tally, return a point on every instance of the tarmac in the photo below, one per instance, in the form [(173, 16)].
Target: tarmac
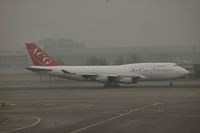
[(52, 105)]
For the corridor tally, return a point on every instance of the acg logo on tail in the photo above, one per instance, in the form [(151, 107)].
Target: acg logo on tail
[(40, 56)]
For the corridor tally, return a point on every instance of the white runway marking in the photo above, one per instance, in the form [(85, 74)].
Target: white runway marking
[(38, 119), (113, 118), (4, 123)]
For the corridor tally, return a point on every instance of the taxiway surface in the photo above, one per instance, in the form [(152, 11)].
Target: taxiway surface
[(74, 107)]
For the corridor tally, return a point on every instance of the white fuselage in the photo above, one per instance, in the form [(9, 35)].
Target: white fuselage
[(147, 71)]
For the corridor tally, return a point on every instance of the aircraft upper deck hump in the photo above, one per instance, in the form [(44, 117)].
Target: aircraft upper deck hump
[(39, 57)]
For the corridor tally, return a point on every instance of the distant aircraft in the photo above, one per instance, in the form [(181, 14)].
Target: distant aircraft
[(109, 75)]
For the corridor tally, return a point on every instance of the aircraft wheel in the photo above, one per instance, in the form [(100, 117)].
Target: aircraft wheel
[(107, 84)]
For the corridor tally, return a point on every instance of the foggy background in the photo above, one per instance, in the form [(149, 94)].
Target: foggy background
[(101, 22)]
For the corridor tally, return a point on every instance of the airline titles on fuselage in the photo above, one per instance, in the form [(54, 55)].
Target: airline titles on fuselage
[(155, 69)]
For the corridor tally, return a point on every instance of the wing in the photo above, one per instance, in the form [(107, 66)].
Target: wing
[(109, 78)]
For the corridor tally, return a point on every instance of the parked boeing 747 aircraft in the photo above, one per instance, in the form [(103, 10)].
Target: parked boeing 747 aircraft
[(109, 75)]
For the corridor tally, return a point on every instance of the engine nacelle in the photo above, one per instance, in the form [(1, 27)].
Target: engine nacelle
[(127, 80), (102, 79)]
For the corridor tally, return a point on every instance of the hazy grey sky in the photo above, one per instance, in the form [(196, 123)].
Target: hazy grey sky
[(101, 23)]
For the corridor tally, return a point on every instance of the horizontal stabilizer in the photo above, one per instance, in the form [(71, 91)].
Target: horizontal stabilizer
[(38, 69)]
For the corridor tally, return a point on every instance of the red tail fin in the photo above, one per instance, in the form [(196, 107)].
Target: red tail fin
[(39, 57)]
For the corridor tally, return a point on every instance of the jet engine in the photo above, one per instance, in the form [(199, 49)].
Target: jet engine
[(102, 79), (127, 80)]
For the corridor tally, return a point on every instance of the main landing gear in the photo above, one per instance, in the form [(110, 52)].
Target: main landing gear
[(111, 85)]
